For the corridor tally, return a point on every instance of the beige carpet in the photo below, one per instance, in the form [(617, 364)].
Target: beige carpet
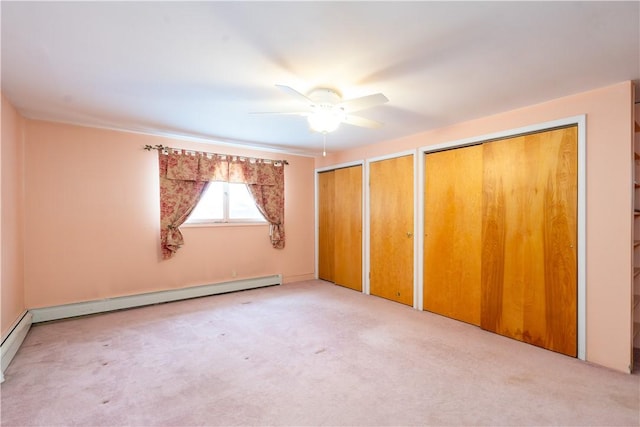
[(308, 353)]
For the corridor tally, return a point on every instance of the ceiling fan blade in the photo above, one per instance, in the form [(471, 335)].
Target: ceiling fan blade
[(299, 96), (362, 122), (357, 104)]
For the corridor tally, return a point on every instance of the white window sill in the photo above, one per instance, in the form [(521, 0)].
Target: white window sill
[(223, 224)]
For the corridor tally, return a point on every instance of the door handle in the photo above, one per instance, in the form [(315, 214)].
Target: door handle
[(409, 234)]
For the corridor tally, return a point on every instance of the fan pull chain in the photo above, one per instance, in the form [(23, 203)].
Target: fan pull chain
[(324, 144)]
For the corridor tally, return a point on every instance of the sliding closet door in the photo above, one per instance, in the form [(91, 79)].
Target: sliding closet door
[(452, 233), (391, 229), (529, 249), (326, 232), (348, 227)]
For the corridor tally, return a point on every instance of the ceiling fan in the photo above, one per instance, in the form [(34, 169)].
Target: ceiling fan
[(325, 108)]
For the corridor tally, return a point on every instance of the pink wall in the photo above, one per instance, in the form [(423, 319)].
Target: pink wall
[(11, 214), (609, 202), (92, 215)]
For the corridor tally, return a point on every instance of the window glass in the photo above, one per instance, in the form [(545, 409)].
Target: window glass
[(241, 204), (210, 206), (225, 202)]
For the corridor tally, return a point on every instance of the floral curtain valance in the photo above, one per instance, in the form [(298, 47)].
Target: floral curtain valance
[(184, 177), (186, 166)]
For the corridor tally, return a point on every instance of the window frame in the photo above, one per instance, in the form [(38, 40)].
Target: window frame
[(226, 220)]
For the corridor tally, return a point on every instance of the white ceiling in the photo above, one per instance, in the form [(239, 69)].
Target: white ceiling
[(200, 69)]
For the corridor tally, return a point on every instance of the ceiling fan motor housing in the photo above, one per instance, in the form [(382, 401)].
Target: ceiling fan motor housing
[(325, 97)]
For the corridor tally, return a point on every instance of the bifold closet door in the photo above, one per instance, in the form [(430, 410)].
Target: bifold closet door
[(452, 233), (391, 229), (326, 231), (348, 227), (529, 239)]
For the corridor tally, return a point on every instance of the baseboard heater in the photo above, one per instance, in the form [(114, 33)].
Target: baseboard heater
[(118, 303), (12, 342)]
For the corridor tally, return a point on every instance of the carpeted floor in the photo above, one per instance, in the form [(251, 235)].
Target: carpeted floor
[(308, 353)]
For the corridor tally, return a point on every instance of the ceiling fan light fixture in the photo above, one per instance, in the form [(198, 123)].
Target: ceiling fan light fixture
[(325, 120)]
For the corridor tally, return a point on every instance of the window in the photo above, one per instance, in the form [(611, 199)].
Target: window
[(225, 202)]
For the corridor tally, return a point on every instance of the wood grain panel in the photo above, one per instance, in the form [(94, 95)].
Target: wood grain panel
[(503, 237), (529, 262), (453, 229), (559, 329), (391, 229), (348, 227), (326, 232)]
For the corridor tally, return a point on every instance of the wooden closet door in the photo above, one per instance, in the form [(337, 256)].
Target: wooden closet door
[(348, 227), (529, 261), (326, 232), (391, 229), (453, 229)]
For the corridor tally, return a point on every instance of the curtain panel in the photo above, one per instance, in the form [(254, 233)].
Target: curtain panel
[(266, 185), (185, 176)]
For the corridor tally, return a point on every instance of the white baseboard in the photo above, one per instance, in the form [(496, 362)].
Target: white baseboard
[(13, 341), (110, 304)]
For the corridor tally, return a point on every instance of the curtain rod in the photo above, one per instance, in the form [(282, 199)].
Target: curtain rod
[(165, 148)]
